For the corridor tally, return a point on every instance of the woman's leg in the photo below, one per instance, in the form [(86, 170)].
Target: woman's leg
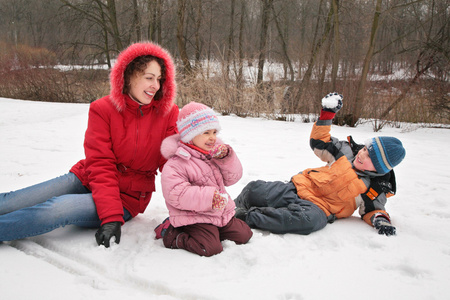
[(73, 209), (39, 193)]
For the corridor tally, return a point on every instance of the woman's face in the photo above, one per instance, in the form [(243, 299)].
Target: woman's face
[(143, 86)]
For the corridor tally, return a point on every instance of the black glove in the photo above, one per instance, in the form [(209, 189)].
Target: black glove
[(332, 102), (384, 226), (106, 232)]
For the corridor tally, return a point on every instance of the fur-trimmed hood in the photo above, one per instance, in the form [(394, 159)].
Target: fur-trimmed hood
[(127, 56)]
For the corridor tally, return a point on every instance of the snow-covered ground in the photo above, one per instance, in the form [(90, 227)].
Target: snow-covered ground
[(346, 260)]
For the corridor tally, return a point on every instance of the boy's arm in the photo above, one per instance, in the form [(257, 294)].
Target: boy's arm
[(320, 139), (380, 220), (373, 211)]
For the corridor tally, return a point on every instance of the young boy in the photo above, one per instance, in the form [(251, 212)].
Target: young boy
[(355, 176)]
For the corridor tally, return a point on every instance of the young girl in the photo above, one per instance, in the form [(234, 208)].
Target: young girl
[(122, 144), (193, 181)]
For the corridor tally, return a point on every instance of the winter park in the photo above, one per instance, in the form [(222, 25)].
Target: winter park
[(42, 140), (97, 97)]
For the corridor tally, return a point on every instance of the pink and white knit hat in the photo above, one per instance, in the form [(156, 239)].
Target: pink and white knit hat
[(194, 119)]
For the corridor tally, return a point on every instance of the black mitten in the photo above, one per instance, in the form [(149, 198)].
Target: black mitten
[(384, 226), (106, 232)]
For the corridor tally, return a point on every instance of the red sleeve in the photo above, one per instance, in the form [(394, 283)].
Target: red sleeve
[(101, 166)]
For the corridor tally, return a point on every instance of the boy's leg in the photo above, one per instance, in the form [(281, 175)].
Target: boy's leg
[(202, 239), (75, 209), (237, 231), (302, 217), (39, 193), (267, 194)]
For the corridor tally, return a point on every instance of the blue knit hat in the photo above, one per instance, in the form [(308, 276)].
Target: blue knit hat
[(385, 152)]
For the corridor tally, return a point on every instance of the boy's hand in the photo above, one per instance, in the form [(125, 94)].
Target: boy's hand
[(219, 151), (219, 201), (384, 226), (331, 104)]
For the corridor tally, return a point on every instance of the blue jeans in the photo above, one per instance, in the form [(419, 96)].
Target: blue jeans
[(46, 206)]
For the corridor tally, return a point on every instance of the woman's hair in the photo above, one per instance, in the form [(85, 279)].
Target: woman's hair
[(138, 65)]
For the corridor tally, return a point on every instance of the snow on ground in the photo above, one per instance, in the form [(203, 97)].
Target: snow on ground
[(346, 260)]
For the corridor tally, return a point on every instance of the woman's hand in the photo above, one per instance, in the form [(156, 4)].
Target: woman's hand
[(106, 232)]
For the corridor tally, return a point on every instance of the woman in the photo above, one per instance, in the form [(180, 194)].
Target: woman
[(115, 181)]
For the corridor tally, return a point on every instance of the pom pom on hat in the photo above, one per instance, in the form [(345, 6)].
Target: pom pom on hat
[(194, 119), (385, 153)]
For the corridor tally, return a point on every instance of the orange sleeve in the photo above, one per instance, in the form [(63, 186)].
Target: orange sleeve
[(368, 217)]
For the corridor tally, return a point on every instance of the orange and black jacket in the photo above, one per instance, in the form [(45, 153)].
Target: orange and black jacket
[(337, 188)]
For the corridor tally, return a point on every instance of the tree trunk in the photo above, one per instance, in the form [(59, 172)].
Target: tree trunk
[(240, 72), (337, 47), (283, 43), (180, 37), (304, 84), (198, 38), (158, 21), (230, 41), (111, 4), (136, 20), (359, 99), (263, 39)]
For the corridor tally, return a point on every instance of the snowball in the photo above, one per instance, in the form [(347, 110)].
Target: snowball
[(331, 101)]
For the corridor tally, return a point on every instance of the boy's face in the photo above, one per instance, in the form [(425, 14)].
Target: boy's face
[(362, 161), (205, 140)]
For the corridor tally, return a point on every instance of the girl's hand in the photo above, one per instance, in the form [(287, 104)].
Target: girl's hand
[(219, 151), (219, 201)]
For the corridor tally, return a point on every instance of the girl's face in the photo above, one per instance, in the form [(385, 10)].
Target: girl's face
[(143, 86), (362, 161), (205, 140)]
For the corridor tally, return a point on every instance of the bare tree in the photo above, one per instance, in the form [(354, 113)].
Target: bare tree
[(240, 76), (434, 52), (230, 49), (283, 43), (104, 17), (197, 16), (137, 20), (337, 46), (180, 37), (316, 47), (356, 109), (266, 5), (112, 16)]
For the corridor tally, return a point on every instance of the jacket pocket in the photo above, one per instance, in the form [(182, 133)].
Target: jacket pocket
[(323, 181)]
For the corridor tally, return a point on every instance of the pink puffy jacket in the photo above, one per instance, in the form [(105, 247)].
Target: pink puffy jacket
[(189, 179)]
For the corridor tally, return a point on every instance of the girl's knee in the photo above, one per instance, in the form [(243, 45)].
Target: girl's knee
[(213, 249), (244, 237)]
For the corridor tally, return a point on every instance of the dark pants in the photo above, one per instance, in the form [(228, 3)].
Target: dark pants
[(276, 207), (205, 239)]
